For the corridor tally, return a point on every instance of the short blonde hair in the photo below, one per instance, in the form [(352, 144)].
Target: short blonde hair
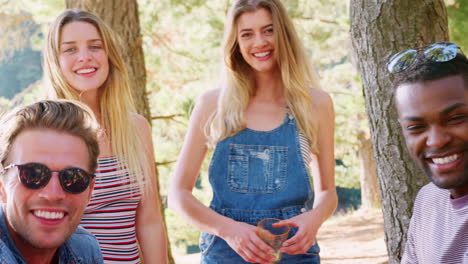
[(60, 115)]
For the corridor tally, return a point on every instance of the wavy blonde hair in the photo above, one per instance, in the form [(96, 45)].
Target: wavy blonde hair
[(115, 98), (239, 85)]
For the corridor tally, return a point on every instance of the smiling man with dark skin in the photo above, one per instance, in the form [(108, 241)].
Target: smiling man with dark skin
[(431, 97)]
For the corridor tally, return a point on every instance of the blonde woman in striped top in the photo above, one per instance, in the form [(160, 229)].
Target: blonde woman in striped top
[(82, 62)]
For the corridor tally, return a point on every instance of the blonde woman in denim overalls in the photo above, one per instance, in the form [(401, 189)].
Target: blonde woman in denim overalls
[(272, 129)]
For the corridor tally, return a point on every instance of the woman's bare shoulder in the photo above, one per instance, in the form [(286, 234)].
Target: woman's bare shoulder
[(321, 99), (210, 97), (139, 121), (208, 101)]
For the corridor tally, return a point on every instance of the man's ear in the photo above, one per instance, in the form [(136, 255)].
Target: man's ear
[(91, 188)]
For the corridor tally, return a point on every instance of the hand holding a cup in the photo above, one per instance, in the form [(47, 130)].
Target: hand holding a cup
[(304, 239), (273, 236), (243, 239)]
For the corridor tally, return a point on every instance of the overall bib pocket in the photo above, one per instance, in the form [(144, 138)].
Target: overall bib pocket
[(257, 169)]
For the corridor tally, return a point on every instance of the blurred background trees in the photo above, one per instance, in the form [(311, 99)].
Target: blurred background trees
[(181, 43)]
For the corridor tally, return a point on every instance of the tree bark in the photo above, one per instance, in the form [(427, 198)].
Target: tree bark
[(369, 188), (122, 17), (380, 28)]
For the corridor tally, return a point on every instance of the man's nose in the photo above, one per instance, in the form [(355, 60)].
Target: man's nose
[(437, 137), (53, 191)]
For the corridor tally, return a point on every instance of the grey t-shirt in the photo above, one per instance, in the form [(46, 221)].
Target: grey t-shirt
[(438, 231)]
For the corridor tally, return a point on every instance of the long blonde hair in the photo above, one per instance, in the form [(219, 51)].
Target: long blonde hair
[(115, 98), (239, 85)]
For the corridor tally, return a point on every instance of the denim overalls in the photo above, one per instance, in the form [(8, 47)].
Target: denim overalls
[(257, 175)]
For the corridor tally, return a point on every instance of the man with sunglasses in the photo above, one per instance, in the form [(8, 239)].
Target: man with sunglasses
[(431, 97), (48, 151)]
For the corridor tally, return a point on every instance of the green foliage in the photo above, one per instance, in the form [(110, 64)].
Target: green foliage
[(19, 71), (22, 26), (182, 235), (348, 198), (458, 22), (15, 33), (187, 106), (5, 104), (41, 11), (19, 19)]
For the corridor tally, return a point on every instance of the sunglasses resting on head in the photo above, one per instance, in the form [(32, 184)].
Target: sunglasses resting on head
[(36, 175), (437, 52)]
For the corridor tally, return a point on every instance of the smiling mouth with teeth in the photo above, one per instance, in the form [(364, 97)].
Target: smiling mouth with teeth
[(49, 215), (86, 70), (445, 160), (262, 54)]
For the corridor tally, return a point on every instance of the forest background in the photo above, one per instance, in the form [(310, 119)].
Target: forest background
[(181, 42)]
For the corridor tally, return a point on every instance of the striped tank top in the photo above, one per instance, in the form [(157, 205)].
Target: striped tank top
[(303, 142), (111, 212)]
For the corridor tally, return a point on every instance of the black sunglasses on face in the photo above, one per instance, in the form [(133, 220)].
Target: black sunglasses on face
[(438, 52), (36, 175)]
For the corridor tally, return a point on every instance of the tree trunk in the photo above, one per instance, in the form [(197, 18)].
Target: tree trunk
[(369, 188), (380, 28), (122, 17)]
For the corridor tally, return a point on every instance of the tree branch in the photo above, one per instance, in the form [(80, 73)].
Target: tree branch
[(161, 40), (171, 117), (327, 21), (164, 163)]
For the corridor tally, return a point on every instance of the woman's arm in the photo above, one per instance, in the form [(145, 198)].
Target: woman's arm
[(150, 230), (323, 173), (240, 236), (188, 167)]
